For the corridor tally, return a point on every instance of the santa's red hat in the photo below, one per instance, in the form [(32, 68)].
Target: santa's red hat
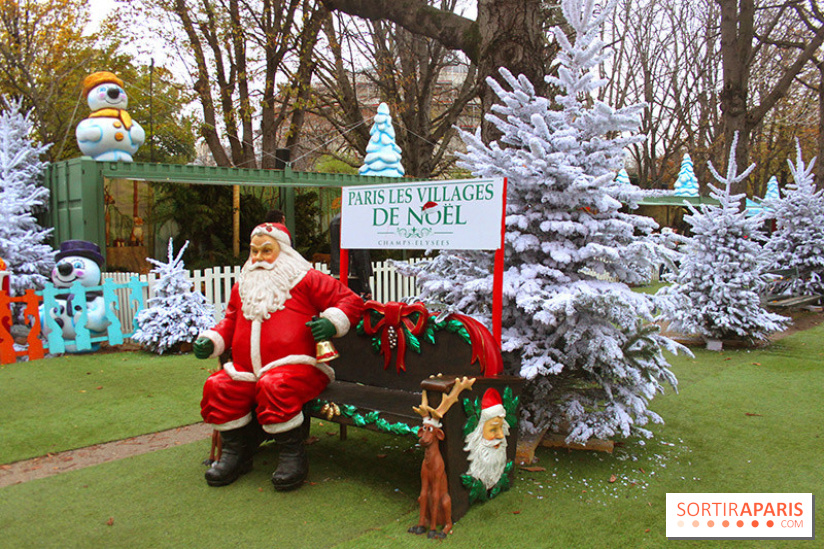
[(278, 231), (492, 405)]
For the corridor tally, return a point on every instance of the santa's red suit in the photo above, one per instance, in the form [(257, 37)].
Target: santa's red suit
[(273, 367)]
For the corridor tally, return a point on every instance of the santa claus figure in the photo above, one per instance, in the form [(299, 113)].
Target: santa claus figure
[(277, 311), (487, 443)]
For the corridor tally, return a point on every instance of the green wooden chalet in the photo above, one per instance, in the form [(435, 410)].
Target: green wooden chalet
[(78, 201)]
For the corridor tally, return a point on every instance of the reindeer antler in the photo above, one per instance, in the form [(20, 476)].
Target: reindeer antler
[(452, 397), (425, 410)]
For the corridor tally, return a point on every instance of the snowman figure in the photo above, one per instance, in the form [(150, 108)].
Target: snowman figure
[(109, 133), (77, 260)]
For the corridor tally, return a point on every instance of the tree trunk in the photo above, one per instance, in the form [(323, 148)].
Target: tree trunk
[(737, 35), (507, 33), (819, 167), (511, 35), (737, 18)]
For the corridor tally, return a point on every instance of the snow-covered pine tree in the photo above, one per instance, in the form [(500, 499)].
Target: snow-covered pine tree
[(798, 242), (29, 260), (383, 155), (176, 314), (571, 324), (716, 291)]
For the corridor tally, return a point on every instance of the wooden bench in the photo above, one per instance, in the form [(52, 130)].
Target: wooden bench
[(791, 301), (777, 300), (387, 362)]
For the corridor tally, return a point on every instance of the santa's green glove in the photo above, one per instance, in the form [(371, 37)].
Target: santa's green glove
[(322, 328), (203, 347)]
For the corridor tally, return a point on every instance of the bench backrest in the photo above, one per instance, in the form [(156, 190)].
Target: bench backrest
[(363, 355)]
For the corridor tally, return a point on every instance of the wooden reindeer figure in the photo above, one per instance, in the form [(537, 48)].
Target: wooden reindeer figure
[(434, 501)]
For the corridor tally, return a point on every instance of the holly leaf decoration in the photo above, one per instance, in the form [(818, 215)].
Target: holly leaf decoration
[(429, 332), (473, 414), (510, 405), (412, 340)]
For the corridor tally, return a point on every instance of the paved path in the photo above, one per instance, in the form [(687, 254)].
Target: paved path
[(71, 460)]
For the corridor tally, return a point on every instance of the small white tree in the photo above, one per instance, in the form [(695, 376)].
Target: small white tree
[(22, 196), (580, 335), (716, 291), (798, 242), (176, 314)]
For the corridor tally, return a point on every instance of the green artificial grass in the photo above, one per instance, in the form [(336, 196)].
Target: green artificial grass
[(742, 421), (73, 401)]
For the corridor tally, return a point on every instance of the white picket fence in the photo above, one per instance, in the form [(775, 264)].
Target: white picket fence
[(216, 285)]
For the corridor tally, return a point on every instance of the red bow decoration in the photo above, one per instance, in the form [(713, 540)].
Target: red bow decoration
[(396, 317), (485, 350)]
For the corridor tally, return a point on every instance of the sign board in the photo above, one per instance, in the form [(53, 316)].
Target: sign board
[(464, 214)]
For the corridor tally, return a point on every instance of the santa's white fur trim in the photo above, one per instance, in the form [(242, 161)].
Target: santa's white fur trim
[(234, 424), (291, 359), (275, 428), (326, 369), (271, 230), (239, 376), (496, 410), (254, 347), (217, 339), (338, 319)]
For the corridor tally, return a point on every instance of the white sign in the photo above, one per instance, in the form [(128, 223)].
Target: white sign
[(704, 515), (462, 214)]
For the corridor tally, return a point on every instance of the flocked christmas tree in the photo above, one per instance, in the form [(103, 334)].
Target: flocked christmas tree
[(798, 242), (22, 196), (175, 314), (383, 155), (716, 292), (587, 345)]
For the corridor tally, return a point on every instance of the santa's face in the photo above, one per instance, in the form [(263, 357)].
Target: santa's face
[(487, 456), (494, 430), (263, 248)]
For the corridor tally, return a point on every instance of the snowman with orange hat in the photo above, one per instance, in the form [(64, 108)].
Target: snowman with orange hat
[(109, 133)]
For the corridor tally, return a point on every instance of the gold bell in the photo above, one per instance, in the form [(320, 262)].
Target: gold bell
[(325, 351)]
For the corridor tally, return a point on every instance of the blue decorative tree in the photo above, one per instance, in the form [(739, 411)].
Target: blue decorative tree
[(383, 155), (772, 190), (622, 178), (687, 184)]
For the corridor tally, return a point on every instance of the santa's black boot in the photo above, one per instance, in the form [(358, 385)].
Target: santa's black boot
[(238, 448), (293, 465)]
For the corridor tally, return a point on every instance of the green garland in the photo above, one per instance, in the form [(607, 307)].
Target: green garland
[(450, 325), (477, 490), (371, 418)]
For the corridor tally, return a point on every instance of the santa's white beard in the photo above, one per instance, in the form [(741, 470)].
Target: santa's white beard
[(486, 461), (264, 287)]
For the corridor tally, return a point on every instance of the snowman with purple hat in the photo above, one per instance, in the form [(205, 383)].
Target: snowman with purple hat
[(78, 261)]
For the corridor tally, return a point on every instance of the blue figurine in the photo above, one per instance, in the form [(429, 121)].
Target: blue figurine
[(78, 261), (109, 133)]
